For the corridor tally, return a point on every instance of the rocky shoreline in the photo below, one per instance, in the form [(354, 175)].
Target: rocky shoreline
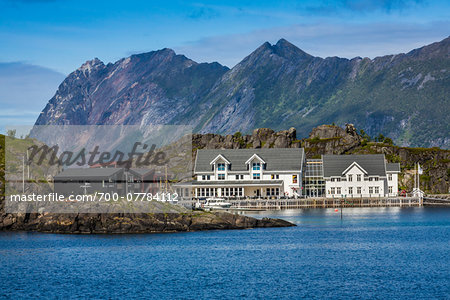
[(133, 223)]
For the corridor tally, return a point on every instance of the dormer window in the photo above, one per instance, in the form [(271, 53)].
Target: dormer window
[(256, 166), (221, 167)]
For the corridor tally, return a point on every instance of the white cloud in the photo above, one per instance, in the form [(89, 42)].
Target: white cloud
[(24, 91)]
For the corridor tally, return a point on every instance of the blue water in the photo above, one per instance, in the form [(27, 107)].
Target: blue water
[(377, 253)]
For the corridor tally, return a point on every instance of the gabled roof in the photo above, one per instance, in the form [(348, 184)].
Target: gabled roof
[(335, 165), (352, 165), (393, 167), (280, 159), (141, 171), (219, 156), (253, 157)]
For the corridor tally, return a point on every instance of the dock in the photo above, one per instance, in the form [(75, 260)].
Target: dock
[(278, 204)]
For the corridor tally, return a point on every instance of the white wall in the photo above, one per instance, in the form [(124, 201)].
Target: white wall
[(364, 184), (393, 183), (286, 177)]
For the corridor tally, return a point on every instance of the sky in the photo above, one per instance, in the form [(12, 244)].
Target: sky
[(44, 40)]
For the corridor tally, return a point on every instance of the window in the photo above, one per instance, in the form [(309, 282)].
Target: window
[(237, 177), (267, 191), (256, 166), (294, 178), (350, 177), (203, 177), (377, 190), (221, 167), (390, 189), (370, 189), (242, 176), (220, 176), (257, 176), (333, 191), (338, 179), (390, 177), (350, 190), (358, 177), (208, 177), (338, 190), (358, 190)]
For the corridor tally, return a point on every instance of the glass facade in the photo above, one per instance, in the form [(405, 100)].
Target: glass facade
[(313, 182)]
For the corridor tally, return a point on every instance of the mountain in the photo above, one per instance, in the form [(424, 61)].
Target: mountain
[(403, 96), (152, 87)]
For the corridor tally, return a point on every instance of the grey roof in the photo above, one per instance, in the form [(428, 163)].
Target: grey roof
[(392, 167), (87, 173), (334, 165), (277, 159), (142, 171)]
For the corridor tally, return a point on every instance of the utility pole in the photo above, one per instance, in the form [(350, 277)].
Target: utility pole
[(23, 174), (418, 179), (28, 166), (126, 183)]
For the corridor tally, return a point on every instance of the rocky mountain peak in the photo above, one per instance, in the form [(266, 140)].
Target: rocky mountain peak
[(277, 86), (91, 65), (282, 48), (289, 50)]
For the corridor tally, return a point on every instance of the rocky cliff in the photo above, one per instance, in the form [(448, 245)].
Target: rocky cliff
[(403, 96)]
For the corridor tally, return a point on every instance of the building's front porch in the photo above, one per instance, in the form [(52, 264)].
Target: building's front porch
[(238, 189)]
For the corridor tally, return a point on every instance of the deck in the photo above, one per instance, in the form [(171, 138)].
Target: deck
[(274, 204)]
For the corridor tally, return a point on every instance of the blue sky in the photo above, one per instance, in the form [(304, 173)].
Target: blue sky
[(56, 37)]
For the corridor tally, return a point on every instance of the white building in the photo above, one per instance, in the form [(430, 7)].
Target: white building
[(392, 170), (248, 173), (359, 176), (240, 173)]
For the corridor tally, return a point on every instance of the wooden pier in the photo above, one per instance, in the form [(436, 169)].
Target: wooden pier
[(437, 200), (276, 204), (324, 203)]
